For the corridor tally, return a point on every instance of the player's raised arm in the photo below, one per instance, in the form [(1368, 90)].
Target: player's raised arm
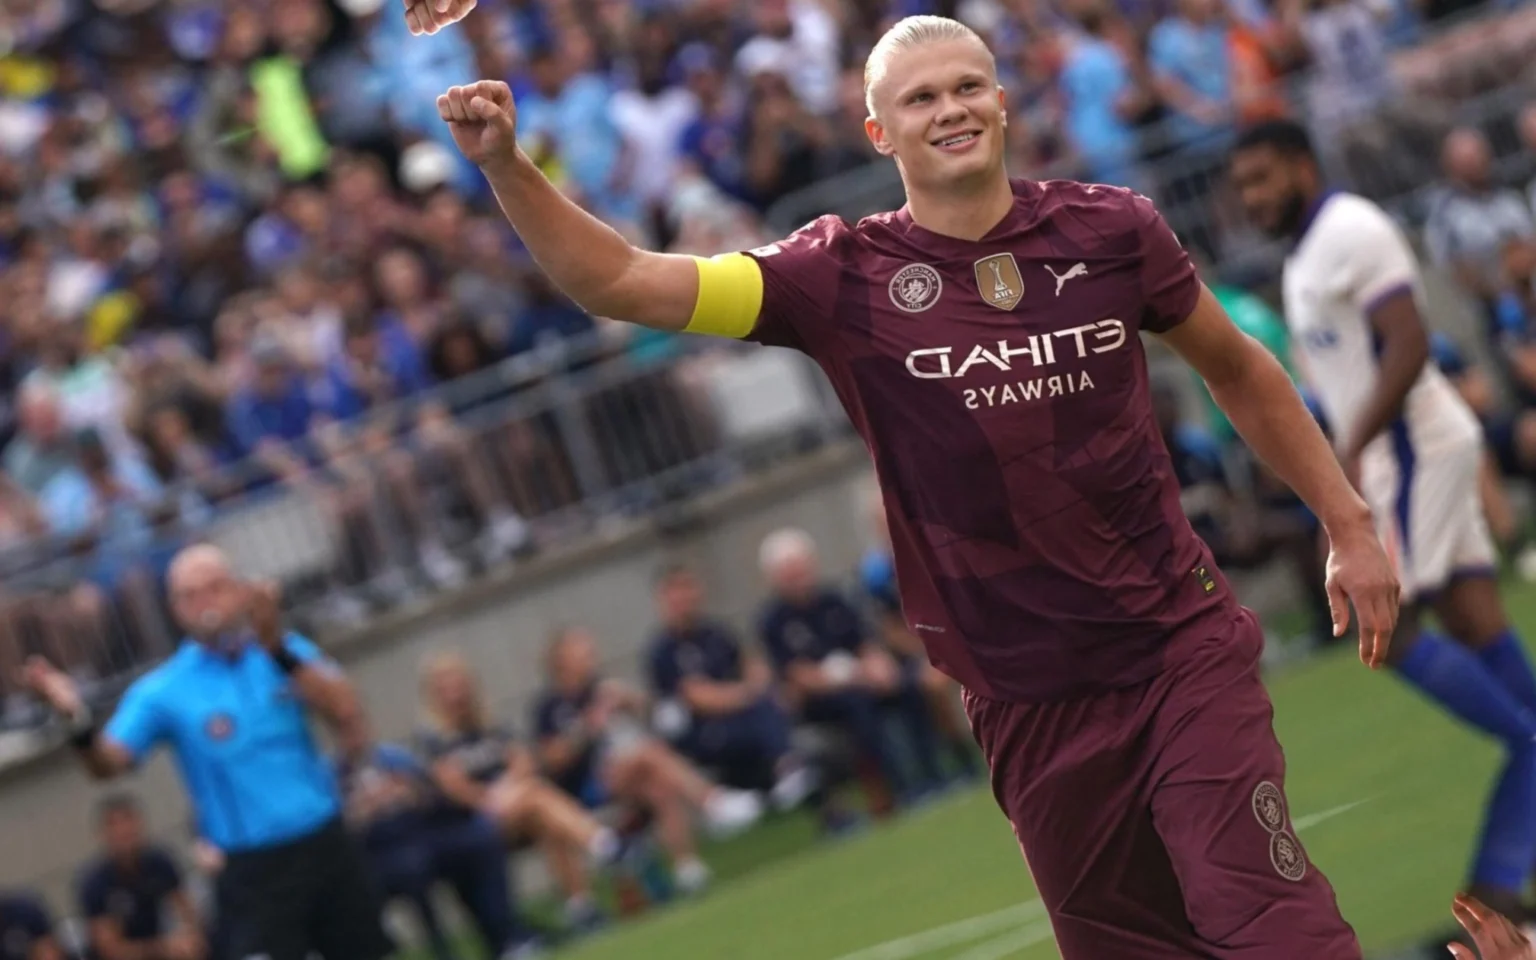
[(1251, 387), (596, 267)]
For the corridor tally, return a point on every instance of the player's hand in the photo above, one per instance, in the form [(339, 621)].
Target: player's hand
[(1360, 574), (53, 686), (430, 16), (1495, 936), (263, 609), (483, 120)]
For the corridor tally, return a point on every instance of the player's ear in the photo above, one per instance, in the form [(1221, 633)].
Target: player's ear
[(875, 130), (1002, 104)]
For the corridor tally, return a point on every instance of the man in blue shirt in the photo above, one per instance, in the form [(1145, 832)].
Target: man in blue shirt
[(127, 895), (833, 668), (233, 705), (716, 706)]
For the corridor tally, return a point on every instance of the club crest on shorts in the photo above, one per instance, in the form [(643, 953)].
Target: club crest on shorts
[(916, 287), (220, 726), (1285, 853), (999, 282), (1269, 806)]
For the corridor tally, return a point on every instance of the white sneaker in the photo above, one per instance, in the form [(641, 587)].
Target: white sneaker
[(793, 788), (441, 567), (691, 877), (506, 535), (729, 812)]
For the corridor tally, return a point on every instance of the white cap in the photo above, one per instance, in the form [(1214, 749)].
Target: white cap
[(426, 165)]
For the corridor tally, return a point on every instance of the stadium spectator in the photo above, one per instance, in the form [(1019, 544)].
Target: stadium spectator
[(593, 743), (480, 768), (26, 928), (40, 449), (717, 702), (1190, 53), (1471, 218), (833, 672), (412, 842), (797, 40), (877, 579), (132, 897), (1100, 96)]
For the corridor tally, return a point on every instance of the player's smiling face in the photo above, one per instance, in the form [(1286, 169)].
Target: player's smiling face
[(939, 111)]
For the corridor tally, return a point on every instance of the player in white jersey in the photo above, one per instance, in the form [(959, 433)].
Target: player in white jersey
[(1353, 296)]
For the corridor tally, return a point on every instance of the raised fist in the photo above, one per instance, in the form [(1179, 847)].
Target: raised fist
[(483, 120), (430, 16)]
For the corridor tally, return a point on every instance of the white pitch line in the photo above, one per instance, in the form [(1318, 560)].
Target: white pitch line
[(1009, 943), (1313, 819), (961, 931), (1009, 918)]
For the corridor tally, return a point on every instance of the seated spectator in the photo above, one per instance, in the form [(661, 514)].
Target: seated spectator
[(1471, 218), (270, 418), (480, 769), (133, 892), (412, 843), (593, 743), (1098, 89), (877, 579), (833, 672), (717, 705), (40, 449), (26, 928)]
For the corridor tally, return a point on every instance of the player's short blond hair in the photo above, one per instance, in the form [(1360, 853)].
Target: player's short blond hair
[(911, 32)]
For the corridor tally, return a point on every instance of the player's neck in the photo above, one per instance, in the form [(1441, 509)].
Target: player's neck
[(966, 212)]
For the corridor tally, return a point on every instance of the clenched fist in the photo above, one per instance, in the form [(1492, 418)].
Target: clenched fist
[(430, 16), (483, 120)]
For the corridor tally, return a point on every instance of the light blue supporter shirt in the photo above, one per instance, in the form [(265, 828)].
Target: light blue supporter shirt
[(1199, 57), (241, 738)]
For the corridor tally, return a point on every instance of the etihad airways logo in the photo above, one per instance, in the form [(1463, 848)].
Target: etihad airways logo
[(937, 363), (1041, 350)]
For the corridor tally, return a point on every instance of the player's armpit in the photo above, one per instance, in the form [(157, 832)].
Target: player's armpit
[(730, 296)]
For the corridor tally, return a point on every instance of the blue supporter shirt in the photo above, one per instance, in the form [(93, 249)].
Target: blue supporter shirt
[(825, 625), (708, 651), (24, 921), (135, 896), (556, 714), (286, 417), (241, 738), (1199, 57), (1093, 80)]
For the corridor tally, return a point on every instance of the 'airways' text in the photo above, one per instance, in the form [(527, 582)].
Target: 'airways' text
[(1026, 390)]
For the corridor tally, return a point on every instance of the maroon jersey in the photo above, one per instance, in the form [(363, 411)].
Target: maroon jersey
[(1002, 389)]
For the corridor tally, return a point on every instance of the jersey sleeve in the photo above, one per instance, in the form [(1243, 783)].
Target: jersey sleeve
[(778, 295), (1169, 286), (1374, 260), (139, 725)]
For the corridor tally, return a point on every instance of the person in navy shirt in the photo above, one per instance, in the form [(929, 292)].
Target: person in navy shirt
[(593, 744), (837, 674), (233, 705), (394, 808), (26, 929), (717, 706), (127, 894), (877, 580)]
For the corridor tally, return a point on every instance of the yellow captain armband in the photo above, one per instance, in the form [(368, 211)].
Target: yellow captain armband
[(730, 296)]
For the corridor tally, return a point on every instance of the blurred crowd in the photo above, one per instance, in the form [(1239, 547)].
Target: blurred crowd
[(239, 256), (830, 707)]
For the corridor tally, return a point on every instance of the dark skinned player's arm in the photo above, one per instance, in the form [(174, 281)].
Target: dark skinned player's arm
[(1404, 351), (1255, 393)]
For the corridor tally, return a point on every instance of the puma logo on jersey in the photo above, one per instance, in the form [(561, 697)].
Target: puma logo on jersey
[(1074, 271)]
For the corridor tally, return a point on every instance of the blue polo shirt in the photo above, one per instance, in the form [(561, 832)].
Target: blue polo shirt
[(241, 739), (708, 651), (135, 895), (813, 631)]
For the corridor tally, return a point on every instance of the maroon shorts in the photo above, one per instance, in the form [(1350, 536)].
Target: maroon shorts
[(1154, 818)]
